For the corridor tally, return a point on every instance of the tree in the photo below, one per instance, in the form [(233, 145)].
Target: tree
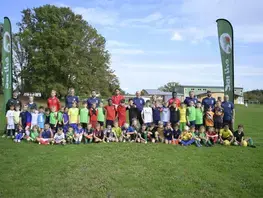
[(60, 50), (169, 87)]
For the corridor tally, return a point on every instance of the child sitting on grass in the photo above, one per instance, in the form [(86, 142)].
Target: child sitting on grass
[(78, 134), (212, 135), (98, 134), (117, 130), (176, 134), (46, 136), (128, 133), (109, 135), (59, 137), (186, 137), (88, 134), (152, 133), (226, 134), (239, 138), (142, 135), (202, 135), (70, 135), (195, 136), (19, 135), (34, 133)]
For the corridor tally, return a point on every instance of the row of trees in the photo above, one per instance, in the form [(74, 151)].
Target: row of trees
[(254, 95), (57, 49)]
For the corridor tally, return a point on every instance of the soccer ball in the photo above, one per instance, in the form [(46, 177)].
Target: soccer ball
[(226, 143), (244, 143)]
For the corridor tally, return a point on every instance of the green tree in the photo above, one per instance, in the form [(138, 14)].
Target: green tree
[(169, 87), (61, 51)]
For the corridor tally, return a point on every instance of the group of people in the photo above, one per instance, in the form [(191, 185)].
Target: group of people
[(172, 122)]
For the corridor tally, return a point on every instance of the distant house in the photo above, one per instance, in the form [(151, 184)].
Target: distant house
[(161, 95), (217, 91)]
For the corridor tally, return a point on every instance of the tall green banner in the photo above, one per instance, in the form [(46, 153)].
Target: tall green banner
[(7, 61), (226, 44)]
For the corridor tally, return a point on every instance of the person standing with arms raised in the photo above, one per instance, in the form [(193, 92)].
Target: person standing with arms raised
[(139, 103), (71, 98), (53, 101), (93, 99)]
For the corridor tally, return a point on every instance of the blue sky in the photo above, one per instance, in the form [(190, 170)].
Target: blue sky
[(153, 42)]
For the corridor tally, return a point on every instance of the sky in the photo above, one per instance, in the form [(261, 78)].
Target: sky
[(153, 42)]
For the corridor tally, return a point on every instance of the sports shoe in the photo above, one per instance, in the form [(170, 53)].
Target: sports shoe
[(8, 137), (18, 140), (253, 146), (3, 136)]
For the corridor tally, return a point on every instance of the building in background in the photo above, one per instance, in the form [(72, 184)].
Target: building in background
[(160, 95), (201, 91)]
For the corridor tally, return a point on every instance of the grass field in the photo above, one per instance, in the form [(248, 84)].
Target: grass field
[(135, 170)]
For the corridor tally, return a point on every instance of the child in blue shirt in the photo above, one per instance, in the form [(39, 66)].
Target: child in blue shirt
[(156, 113), (168, 133), (78, 134), (41, 118)]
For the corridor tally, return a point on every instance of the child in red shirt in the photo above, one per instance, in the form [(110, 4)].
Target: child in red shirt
[(93, 113), (121, 113), (110, 113), (212, 135)]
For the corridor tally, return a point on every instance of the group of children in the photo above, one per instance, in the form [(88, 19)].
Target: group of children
[(168, 124)]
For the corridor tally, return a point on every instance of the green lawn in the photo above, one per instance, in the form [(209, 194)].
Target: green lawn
[(135, 170)]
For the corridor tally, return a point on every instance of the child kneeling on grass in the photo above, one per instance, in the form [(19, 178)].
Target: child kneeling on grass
[(152, 133), (168, 133), (204, 139), (98, 134), (70, 135), (240, 140), (46, 136), (19, 135), (226, 134), (78, 134), (186, 137), (160, 132), (59, 137), (88, 134)]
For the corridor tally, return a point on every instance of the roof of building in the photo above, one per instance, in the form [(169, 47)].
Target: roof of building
[(158, 92), (202, 86)]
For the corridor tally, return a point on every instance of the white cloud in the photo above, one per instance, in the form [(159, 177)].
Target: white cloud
[(177, 37)]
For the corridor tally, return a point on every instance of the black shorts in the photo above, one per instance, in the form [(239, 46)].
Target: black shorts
[(109, 122), (84, 125), (218, 125), (197, 126), (52, 126), (101, 123)]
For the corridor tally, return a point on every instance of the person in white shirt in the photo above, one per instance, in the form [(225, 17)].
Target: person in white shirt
[(147, 114), (10, 120), (34, 114), (59, 137), (165, 116)]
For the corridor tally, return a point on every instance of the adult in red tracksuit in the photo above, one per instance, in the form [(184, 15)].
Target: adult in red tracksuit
[(116, 99), (53, 101)]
